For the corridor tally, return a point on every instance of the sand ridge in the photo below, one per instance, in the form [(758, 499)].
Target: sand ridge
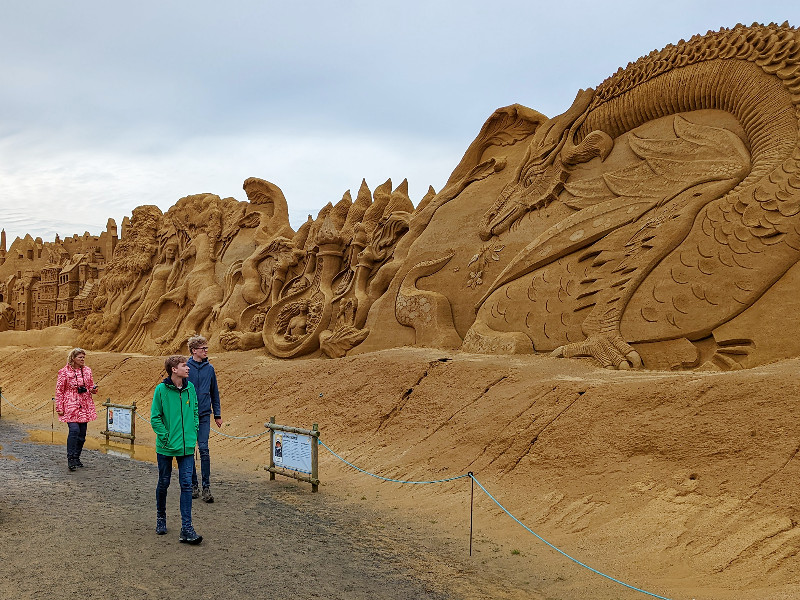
[(678, 483)]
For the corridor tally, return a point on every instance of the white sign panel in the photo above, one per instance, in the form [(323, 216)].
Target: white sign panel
[(119, 420), (292, 451)]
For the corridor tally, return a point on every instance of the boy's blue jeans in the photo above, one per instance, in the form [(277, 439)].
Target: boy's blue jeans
[(184, 477), (205, 459)]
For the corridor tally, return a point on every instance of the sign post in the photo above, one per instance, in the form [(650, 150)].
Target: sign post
[(120, 421), (294, 453)]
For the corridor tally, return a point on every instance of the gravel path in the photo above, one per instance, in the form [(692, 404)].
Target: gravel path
[(90, 534)]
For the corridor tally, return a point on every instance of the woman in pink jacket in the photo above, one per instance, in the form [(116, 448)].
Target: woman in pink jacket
[(74, 403)]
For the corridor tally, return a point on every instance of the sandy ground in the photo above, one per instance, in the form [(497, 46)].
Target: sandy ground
[(90, 534), (680, 484)]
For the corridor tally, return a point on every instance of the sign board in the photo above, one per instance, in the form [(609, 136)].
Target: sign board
[(292, 451), (118, 420)]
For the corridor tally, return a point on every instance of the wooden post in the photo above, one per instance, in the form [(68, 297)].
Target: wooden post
[(133, 423), (271, 446), (108, 401), (315, 459), (1, 401)]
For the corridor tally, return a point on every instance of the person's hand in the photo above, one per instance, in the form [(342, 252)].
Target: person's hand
[(218, 421), (94, 388), (60, 413)]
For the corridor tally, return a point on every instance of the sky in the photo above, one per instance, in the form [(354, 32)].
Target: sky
[(105, 106)]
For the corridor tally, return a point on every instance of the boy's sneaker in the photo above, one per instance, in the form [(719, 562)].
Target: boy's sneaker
[(78, 463), (207, 497), (161, 525), (71, 464), (189, 536), (195, 491)]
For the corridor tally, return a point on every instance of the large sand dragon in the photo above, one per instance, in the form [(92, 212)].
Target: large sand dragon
[(683, 238)]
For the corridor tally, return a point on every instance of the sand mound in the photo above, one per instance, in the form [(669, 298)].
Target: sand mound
[(678, 483)]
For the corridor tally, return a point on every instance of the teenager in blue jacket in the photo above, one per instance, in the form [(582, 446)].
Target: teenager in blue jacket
[(204, 379)]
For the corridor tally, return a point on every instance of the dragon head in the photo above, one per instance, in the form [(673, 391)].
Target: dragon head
[(548, 162)]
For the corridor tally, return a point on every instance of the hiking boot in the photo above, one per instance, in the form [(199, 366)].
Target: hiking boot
[(195, 491), (71, 464), (161, 525), (189, 536), (207, 497)]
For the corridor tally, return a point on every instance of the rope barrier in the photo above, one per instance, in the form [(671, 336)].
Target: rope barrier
[(386, 478), (239, 437), (505, 510), (234, 437), (575, 560), (14, 406), (141, 417)]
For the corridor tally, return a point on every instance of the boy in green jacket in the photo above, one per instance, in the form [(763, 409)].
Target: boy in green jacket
[(175, 420)]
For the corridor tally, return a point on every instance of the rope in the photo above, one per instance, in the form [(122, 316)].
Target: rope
[(234, 437), (138, 414), (505, 510), (575, 560), (14, 406), (387, 478), (239, 437)]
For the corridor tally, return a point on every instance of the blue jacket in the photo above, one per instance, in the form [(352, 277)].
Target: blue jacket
[(204, 379)]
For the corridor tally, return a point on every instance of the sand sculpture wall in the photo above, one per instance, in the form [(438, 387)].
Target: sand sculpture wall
[(655, 223)]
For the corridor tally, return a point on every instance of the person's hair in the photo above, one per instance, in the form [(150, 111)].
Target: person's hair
[(72, 354), (172, 362), (196, 341)]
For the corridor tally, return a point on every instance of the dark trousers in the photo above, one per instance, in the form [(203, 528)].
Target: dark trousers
[(75, 440), (203, 434), (184, 477)]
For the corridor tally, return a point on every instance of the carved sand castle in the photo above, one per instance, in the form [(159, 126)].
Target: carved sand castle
[(655, 223)]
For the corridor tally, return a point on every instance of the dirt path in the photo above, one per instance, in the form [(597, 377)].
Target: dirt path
[(90, 534)]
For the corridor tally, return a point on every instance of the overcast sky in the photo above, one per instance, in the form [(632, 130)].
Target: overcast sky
[(105, 106)]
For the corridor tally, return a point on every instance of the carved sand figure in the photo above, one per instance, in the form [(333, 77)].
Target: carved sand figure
[(198, 288), (132, 258), (6, 317), (680, 264), (292, 325), (427, 312), (131, 337), (254, 274)]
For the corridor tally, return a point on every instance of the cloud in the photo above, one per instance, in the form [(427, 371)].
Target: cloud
[(69, 191), (106, 106)]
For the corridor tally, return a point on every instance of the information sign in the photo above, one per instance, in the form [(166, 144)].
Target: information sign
[(119, 420), (292, 451)]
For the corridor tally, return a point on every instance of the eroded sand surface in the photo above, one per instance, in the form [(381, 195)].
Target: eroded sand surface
[(683, 484)]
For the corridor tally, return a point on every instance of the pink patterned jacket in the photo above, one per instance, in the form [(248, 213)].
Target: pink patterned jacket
[(77, 408)]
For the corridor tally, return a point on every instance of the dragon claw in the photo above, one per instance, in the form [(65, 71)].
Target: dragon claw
[(610, 350)]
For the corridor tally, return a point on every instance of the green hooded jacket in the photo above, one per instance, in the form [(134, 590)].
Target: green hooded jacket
[(174, 418)]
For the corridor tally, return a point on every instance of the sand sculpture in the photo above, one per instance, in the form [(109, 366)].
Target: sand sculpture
[(655, 223)]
